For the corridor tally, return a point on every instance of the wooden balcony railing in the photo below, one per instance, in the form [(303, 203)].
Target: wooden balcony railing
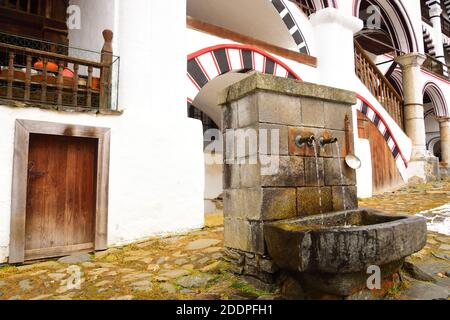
[(378, 85), (65, 82)]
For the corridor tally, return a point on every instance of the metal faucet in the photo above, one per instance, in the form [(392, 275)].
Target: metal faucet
[(323, 142), (300, 141)]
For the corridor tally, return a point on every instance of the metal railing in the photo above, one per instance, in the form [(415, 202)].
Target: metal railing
[(436, 67), (41, 73), (378, 85)]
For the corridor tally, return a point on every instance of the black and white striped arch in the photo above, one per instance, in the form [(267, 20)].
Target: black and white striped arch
[(365, 108), (291, 25), (211, 62)]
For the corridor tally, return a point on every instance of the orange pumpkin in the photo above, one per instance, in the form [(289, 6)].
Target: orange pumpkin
[(51, 66)]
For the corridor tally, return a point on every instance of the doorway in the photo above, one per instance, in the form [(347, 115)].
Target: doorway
[(60, 214), (60, 188)]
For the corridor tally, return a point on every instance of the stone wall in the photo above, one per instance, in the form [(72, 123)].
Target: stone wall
[(277, 180)]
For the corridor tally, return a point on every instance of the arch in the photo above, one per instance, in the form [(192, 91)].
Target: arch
[(397, 21), (396, 78), (291, 24), (214, 61), (307, 7), (374, 116), (435, 141), (437, 99)]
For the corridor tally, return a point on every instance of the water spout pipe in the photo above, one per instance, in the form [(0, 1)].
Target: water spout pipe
[(300, 141), (323, 142)]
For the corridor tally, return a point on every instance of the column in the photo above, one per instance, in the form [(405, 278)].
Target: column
[(444, 128), (413, 111), (435, 18), (334, 33)]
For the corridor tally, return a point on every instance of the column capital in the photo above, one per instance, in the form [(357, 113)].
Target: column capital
[(332, 15), (443, 119), (410, 60), (435, 11)]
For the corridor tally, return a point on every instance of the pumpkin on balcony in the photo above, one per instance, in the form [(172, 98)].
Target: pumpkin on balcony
[(51, 66)]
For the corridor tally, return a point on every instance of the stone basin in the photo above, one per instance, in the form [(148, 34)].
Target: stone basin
[(334, 250)]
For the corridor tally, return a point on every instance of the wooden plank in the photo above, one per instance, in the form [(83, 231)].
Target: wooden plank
[(60, 84), (44, 81), (9, 93), (19, 194), (28, 78), (385, 175), (75, 85), (57, 251), (205, 27), (89, 88), (52, 56), (101, 236), (62, 129)]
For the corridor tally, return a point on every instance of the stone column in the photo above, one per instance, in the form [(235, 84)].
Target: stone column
[(421, 159), (444, 128), (435, 17), (334, 33)]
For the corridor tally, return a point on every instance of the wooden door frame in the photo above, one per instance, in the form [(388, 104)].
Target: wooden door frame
[(23, 130)]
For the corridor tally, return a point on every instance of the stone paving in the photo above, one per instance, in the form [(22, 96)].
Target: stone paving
[(426, 273), (193, 266)]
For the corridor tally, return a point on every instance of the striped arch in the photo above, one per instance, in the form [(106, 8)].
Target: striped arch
[(211, 62), (366, 108), (291, 25), (440, 108)]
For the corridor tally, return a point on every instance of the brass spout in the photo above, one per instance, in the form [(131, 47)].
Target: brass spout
[(323, 142), (300, 141)]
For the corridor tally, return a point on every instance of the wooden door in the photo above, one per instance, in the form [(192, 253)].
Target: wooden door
[(385, 175), (61, 195)]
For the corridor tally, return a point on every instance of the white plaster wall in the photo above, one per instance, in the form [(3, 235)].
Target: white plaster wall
[(213, 184), (156, 180), (364, 174), (264, 24), (96, 16)]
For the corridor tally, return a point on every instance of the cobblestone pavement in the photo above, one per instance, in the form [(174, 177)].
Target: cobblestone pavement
[(192, 266), (427, 273)]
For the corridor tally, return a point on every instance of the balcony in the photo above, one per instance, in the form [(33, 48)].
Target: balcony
[(436, 67), (37, 73)]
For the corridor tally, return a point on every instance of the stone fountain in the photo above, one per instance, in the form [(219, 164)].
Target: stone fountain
[(290, 200)]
